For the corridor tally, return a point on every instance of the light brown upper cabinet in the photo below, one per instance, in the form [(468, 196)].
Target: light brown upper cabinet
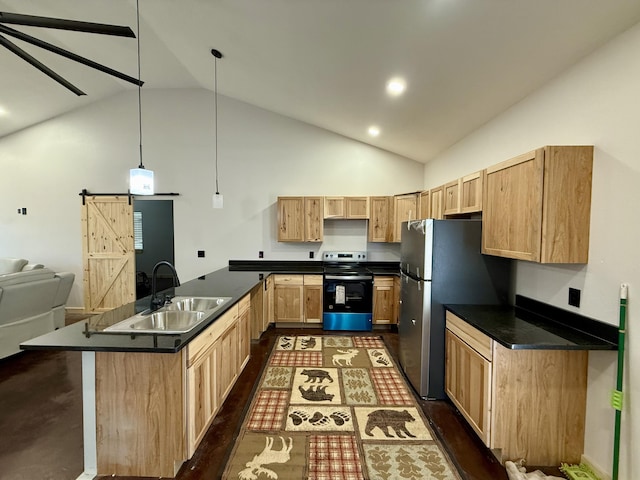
[(471, 192), (313, 219), (437, 202), (537, 206), (451, 197), (405, 207), (346, 207), (381, 219), (424, 205), (463, 195), (300, 219)]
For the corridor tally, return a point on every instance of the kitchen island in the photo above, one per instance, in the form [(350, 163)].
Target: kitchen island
[(149, 398)]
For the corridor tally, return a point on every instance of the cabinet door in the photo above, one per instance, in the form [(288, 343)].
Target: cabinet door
[(334, 207), (357, 207), (425, 205), (257, 311), (244, 331), (227, 362), (471, 194), (405, 208), (313, 219), (381, 216), (291, 219), (451, 198), (288, 299), (437, 202), (512, 214), (313, 303), (383, 300), (468, 384), (202, 398), (268, 315)]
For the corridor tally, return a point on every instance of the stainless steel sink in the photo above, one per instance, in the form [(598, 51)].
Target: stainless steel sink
[(196, 304), (170, 321), (179, 316)]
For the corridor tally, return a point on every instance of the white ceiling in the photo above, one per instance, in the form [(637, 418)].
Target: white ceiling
[(325, 62)]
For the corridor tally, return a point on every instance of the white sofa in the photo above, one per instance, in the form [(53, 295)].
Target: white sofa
[(32, 301)]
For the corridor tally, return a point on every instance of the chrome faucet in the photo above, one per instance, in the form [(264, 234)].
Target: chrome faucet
[(159, 300)]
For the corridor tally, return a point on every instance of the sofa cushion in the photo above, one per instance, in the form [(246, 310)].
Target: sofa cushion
[(24, 277), (32, 266), (11, 265)]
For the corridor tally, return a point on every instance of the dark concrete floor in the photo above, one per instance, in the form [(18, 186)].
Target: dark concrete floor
[(41, 419)]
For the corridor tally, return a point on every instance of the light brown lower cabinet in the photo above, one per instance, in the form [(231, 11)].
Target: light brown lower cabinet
[(526, 403), (383, 300), (298, 298), (152, 409)]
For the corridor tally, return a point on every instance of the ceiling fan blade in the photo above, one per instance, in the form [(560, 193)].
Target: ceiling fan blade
[(70, 55), (64, 24), (39, 65)]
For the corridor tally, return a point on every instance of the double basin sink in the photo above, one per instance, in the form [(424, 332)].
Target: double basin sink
[(180, 316)]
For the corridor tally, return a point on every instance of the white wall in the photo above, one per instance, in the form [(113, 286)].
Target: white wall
[(261, 155), (596, 103)]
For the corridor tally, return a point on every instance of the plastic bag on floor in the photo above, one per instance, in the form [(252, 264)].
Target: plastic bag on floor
[(518, 472)]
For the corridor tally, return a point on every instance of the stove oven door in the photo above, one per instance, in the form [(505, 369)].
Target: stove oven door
[(347, 302)]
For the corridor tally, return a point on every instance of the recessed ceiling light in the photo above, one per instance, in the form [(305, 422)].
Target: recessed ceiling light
[(374, 131), (396, 86)]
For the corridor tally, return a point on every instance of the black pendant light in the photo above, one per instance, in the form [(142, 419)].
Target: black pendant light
[(217, 197)]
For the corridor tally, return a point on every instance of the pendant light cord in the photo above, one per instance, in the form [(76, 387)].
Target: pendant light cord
[(139, 86), (215, 108), (216, 54)]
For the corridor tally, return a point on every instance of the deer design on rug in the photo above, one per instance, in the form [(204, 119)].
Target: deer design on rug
[(255, 467), (344, 356)]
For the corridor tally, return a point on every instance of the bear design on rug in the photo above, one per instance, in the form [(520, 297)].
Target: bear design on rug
[(308, 344), (383, 419), (317, 395), (316, 375)]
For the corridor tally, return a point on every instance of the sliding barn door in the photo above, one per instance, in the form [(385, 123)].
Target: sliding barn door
[(108, 252)]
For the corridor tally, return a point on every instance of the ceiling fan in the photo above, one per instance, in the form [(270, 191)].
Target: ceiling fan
[(60, 24)]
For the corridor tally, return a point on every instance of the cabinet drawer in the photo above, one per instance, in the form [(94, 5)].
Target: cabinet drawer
[(382, 281), (244, 304), (313, 279), (199, 346), (289, 279), (470, 335)]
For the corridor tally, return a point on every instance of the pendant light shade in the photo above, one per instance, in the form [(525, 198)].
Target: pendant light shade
[(217, 201), (140, 179)]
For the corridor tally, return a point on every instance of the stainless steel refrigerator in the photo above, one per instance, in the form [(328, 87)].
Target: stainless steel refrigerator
[(441, 263)]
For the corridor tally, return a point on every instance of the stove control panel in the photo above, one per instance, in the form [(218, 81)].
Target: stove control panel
[(345, 257)]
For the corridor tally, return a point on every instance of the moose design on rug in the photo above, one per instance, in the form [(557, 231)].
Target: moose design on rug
[(344, 357), (254, 468)]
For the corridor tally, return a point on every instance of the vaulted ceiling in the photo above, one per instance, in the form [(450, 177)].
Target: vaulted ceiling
[(324, 62)]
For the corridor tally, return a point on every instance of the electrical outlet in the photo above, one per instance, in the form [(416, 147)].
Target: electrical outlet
[(260, 254), (574, 297), (310, 254), (200, 253)]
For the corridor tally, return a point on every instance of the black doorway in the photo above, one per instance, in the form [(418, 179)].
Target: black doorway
[(153, 226)]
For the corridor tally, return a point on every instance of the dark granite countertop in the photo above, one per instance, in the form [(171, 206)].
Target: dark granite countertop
[(520, 328), (222, 283), (234, 281)]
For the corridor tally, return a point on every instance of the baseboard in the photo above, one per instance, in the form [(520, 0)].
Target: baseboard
[(597, 470)]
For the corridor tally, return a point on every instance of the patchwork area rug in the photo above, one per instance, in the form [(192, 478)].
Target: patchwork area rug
[(331, 408)]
